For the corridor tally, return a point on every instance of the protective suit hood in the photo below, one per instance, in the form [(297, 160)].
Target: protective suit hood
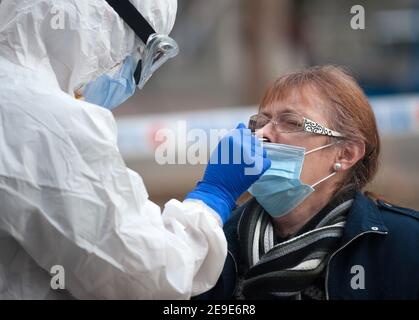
[(74, 41)]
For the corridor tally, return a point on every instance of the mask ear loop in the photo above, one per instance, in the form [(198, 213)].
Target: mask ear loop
[(324, 179), (318, 149)]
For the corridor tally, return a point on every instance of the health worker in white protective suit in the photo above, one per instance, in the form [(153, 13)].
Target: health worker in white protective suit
[(68, 202)]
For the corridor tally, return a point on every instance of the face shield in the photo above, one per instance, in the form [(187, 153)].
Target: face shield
[(158, 48)]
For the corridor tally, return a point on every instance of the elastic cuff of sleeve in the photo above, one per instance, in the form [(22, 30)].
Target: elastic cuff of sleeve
[(214, 198), (206, 208)]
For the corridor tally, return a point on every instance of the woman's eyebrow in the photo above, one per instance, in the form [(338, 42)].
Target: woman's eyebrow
[(293, 111), (265, 113), (289, 110), (269, 111)]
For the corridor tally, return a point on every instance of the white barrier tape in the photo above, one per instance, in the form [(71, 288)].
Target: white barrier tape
[(396, 115)]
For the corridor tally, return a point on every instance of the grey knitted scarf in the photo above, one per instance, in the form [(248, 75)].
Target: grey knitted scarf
[(283, 270)]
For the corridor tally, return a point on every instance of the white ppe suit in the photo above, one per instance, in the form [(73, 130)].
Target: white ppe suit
[(66, 197)]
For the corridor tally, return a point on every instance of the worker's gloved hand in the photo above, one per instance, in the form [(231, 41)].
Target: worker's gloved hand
[(237, 162)]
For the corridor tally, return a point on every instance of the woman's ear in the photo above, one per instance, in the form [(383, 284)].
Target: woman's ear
[(350, 153)]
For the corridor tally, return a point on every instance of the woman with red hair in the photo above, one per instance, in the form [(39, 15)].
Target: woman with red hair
[(310, 232)]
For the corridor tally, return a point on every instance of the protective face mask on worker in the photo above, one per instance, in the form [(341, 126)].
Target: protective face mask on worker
[(280, 190), (114, 88)]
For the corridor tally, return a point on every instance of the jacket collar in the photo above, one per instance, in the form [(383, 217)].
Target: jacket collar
[(364, 216)]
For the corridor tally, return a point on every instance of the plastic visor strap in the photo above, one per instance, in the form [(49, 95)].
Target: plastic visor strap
[(133, 18)]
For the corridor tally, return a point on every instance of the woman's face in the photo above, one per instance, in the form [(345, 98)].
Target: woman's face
[(307, 103)]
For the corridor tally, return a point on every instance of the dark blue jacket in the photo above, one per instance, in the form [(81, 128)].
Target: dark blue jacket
[(381, 238)]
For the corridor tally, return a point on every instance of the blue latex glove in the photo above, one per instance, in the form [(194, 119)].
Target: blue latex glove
[(231, 171)]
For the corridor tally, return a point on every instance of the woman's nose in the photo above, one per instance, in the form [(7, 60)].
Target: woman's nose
[(267, 132), (271, 134)]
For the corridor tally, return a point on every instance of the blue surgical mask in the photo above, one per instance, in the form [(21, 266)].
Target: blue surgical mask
[(279, 190), (110, 91)]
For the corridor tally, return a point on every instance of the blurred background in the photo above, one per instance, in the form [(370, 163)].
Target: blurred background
[(231, 50)]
